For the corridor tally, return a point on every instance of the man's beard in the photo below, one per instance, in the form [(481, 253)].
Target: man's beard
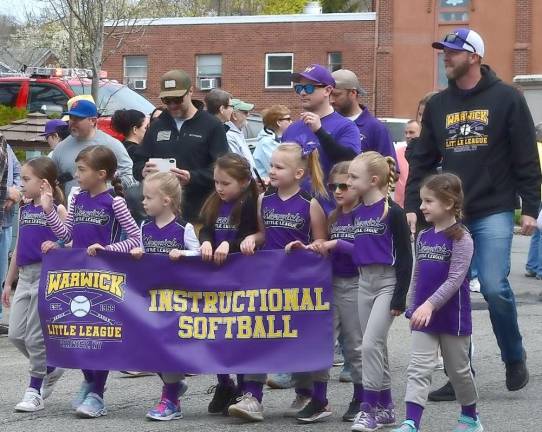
[(458, 71)]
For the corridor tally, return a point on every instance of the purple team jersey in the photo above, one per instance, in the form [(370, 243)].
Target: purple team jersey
[(374, 135), (343, 229), (286, 220), (33, 231), (433, 255), (94, 220), (373, 243), (224, 230), (162, 240)]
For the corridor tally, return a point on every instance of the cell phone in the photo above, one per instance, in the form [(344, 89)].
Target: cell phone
[(164, 165)]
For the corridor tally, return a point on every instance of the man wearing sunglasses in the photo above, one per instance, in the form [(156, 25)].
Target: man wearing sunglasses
[(194, 138), (374, 135), (482, 130), (338, 137)]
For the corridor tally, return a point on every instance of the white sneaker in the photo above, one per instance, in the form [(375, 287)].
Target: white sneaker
[(247, 407), (49, 382), (474, 285), (297, 405), (32, 401)]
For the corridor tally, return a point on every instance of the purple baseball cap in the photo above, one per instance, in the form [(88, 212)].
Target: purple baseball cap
[(52, 126), (317, 73), (462, 39)]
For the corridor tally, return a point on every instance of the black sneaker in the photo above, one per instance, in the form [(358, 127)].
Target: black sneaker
[(222, 395), (235, 397), (314, 411), (353, 410), (444, 394), (517, 374)]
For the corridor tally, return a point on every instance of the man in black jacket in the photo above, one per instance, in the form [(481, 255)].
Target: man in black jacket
[(482, 130), (194, 138)]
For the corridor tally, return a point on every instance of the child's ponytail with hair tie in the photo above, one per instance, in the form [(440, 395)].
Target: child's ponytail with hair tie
[(117, 186)]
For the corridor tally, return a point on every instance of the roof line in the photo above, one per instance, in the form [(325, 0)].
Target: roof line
[(247, 19)]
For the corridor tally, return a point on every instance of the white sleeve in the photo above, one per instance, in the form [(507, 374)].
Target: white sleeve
[(191, 242)]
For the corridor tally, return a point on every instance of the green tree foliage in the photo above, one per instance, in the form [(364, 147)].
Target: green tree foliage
[(279, 7), (8, 114)]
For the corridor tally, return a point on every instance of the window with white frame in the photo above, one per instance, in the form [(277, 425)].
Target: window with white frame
[(454, 11), (209, 66), (278, 70), (135, 71), (334, 61)]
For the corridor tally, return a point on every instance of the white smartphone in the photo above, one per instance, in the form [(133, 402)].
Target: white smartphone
[(164, 165)]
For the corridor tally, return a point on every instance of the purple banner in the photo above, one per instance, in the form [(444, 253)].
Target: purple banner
[(270, 312)]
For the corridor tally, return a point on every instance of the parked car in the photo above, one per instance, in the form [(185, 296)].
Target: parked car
[(397, 127), (47, 90)]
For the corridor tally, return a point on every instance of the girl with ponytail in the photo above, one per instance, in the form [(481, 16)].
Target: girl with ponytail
[(33, 236), (382, 252), (96, 217), (288, 217)]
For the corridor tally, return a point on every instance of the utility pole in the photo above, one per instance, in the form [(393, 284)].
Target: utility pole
[(71, 60)]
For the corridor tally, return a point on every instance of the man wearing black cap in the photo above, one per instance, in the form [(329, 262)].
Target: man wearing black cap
[(482, 130), (193, 137)]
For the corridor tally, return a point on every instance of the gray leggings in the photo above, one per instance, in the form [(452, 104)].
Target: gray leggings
[(376, 287), (455, 352), (24, 321)]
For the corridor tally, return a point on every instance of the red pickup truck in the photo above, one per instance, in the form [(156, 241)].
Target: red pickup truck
[(47, 90)]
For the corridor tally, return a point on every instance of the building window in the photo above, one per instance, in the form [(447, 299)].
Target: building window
[(442, 81), (334, 61), (454, 11), (278, 70), (135, 72), (209, 71)]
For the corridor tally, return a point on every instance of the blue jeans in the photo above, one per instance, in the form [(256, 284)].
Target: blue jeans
[(5, 244), (534, 259), (492, 237)]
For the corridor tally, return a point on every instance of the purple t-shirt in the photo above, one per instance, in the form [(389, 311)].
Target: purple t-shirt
[(374, 135), (94, 220), (33, 231), (224, 230), (343, 229), (373, 242), (433, 254), (158, 240), (286, 220)]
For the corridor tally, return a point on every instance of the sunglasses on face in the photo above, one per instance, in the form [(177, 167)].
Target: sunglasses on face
[(308, 88), (172, 100), (334, 186), (452, 37)]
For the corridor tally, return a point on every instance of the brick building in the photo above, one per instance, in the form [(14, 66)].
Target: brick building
[(390, 49)]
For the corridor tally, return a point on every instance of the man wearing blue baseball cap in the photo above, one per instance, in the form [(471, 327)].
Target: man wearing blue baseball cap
[(83, 133), (482, 130), (337, 136)]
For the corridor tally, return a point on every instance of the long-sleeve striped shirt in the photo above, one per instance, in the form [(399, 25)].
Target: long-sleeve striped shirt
[(97, 219)]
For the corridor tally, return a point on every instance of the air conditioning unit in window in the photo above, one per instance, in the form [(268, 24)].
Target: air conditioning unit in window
[(208, 83), (140, 84)]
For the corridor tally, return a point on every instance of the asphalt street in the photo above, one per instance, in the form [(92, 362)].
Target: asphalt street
[(128, 399)]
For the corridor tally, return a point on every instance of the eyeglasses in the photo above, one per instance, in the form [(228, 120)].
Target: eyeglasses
[(285, 119), (172, 100), (308, 88), (341, 186), (452, 37)]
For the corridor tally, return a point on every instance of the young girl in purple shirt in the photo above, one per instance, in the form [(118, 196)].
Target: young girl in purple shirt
[(96, 217), (440, 310)]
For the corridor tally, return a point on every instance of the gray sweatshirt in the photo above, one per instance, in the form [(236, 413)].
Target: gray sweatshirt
[(67, 150)]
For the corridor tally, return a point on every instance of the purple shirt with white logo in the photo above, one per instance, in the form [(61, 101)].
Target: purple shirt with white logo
[(286, 220), (33, 231), (343, 229), (433, 258), (158, 240), (224, 230), (373, 242), (94, 220)]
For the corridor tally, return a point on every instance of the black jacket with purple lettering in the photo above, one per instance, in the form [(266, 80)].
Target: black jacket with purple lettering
[(485, 136)]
